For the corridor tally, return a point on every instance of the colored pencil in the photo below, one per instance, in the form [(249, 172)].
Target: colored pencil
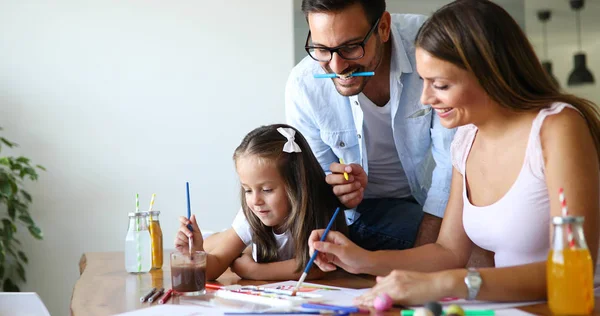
[(356, 74), (345, 173), (147, 296), (165, 297), (156, 295)]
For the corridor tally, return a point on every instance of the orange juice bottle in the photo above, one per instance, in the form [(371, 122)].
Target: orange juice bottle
[(157, 240), (569, 271)]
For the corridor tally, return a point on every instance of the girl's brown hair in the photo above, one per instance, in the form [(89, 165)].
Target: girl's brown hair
[(311, 199)]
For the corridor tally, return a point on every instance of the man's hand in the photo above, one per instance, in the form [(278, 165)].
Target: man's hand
[(337, 251), (429, 230), (350, 192)]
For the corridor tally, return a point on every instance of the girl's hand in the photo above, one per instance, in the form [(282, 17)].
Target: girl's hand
[(407, 288), (181, 239), (245, 267)]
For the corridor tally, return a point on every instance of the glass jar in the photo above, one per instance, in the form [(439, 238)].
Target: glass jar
[(138, 254), (157, 240), (569, 270)]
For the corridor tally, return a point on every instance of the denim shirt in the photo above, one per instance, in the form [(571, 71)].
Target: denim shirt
[(333, 124)]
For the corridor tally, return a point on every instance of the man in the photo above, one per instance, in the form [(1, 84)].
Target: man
[(376, 124)]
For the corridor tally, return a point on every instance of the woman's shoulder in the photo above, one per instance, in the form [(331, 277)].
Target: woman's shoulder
[(463, 135), (460, 144), (562, 125), (561, 120)]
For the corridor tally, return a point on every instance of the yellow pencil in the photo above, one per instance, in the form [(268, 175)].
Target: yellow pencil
[(345, 173)]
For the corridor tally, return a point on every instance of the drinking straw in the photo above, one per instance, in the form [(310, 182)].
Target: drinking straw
[(137, 233), (151, 202), (565, 212)]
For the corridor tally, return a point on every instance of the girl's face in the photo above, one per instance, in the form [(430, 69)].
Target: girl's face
[(265, 190), (454, 93)]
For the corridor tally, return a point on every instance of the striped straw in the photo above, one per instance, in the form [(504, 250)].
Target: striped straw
[(565, 212), (151, 202), (137, 234)]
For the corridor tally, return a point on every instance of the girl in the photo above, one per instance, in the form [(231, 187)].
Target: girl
[(284, 197), (520, 139)]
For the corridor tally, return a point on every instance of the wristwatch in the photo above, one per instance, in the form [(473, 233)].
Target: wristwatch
[(473, 282)]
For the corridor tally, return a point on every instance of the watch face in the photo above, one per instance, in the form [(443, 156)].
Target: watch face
[(474, 280)]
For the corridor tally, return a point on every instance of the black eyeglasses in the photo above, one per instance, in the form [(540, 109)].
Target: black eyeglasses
[(348, 51)]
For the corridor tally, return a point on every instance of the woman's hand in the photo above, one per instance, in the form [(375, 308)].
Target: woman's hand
[(408, 288), (337, 251), (181, 239)]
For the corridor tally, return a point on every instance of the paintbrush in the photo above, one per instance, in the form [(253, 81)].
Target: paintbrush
[(314, 256)]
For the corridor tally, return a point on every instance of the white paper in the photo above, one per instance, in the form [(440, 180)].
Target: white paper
[(179, 310), (331, 294), (23, 304), (345, 296), (211, 305)]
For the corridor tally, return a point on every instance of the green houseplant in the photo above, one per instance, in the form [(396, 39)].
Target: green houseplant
[(14, 213)]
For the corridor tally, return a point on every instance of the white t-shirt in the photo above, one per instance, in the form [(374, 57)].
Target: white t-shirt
[(387, 178), (285, 242)]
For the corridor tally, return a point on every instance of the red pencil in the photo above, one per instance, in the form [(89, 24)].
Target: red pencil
[(213, 286), (165, 297)]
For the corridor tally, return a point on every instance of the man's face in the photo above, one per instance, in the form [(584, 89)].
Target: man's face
[(349, 26)]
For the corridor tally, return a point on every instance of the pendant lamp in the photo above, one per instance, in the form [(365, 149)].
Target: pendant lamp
[(544, 16), (581, 74)]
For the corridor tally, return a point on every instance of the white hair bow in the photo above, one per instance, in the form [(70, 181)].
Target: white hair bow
[(291, 146)]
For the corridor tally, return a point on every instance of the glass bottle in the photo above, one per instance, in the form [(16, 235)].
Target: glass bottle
[(138, 256), (157, 240), (569, 271)]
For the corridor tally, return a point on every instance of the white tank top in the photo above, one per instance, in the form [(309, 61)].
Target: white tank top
[(516, 227)]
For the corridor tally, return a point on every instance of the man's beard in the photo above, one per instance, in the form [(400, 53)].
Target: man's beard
[(343, 90)]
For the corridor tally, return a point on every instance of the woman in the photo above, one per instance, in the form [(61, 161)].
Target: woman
[(519, 140)]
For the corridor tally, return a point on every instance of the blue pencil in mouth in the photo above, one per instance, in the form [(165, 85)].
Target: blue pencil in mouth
[(356, 74)]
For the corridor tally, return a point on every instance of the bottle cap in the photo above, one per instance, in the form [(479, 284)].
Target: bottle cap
[(560, 220)]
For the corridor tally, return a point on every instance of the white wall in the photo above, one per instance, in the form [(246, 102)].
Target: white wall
[(562, 41), (116, 97), (426, 7)]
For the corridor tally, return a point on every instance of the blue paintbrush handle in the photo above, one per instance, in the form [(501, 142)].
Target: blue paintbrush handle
[(189, 209), (314, 256)]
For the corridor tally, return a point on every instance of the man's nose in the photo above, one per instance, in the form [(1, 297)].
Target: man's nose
[(337, 63)]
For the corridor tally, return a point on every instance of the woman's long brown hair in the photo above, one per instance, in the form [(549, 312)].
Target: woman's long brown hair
[(482, 38)]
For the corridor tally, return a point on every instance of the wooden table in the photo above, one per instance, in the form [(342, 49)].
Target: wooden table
[(104, 288)]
